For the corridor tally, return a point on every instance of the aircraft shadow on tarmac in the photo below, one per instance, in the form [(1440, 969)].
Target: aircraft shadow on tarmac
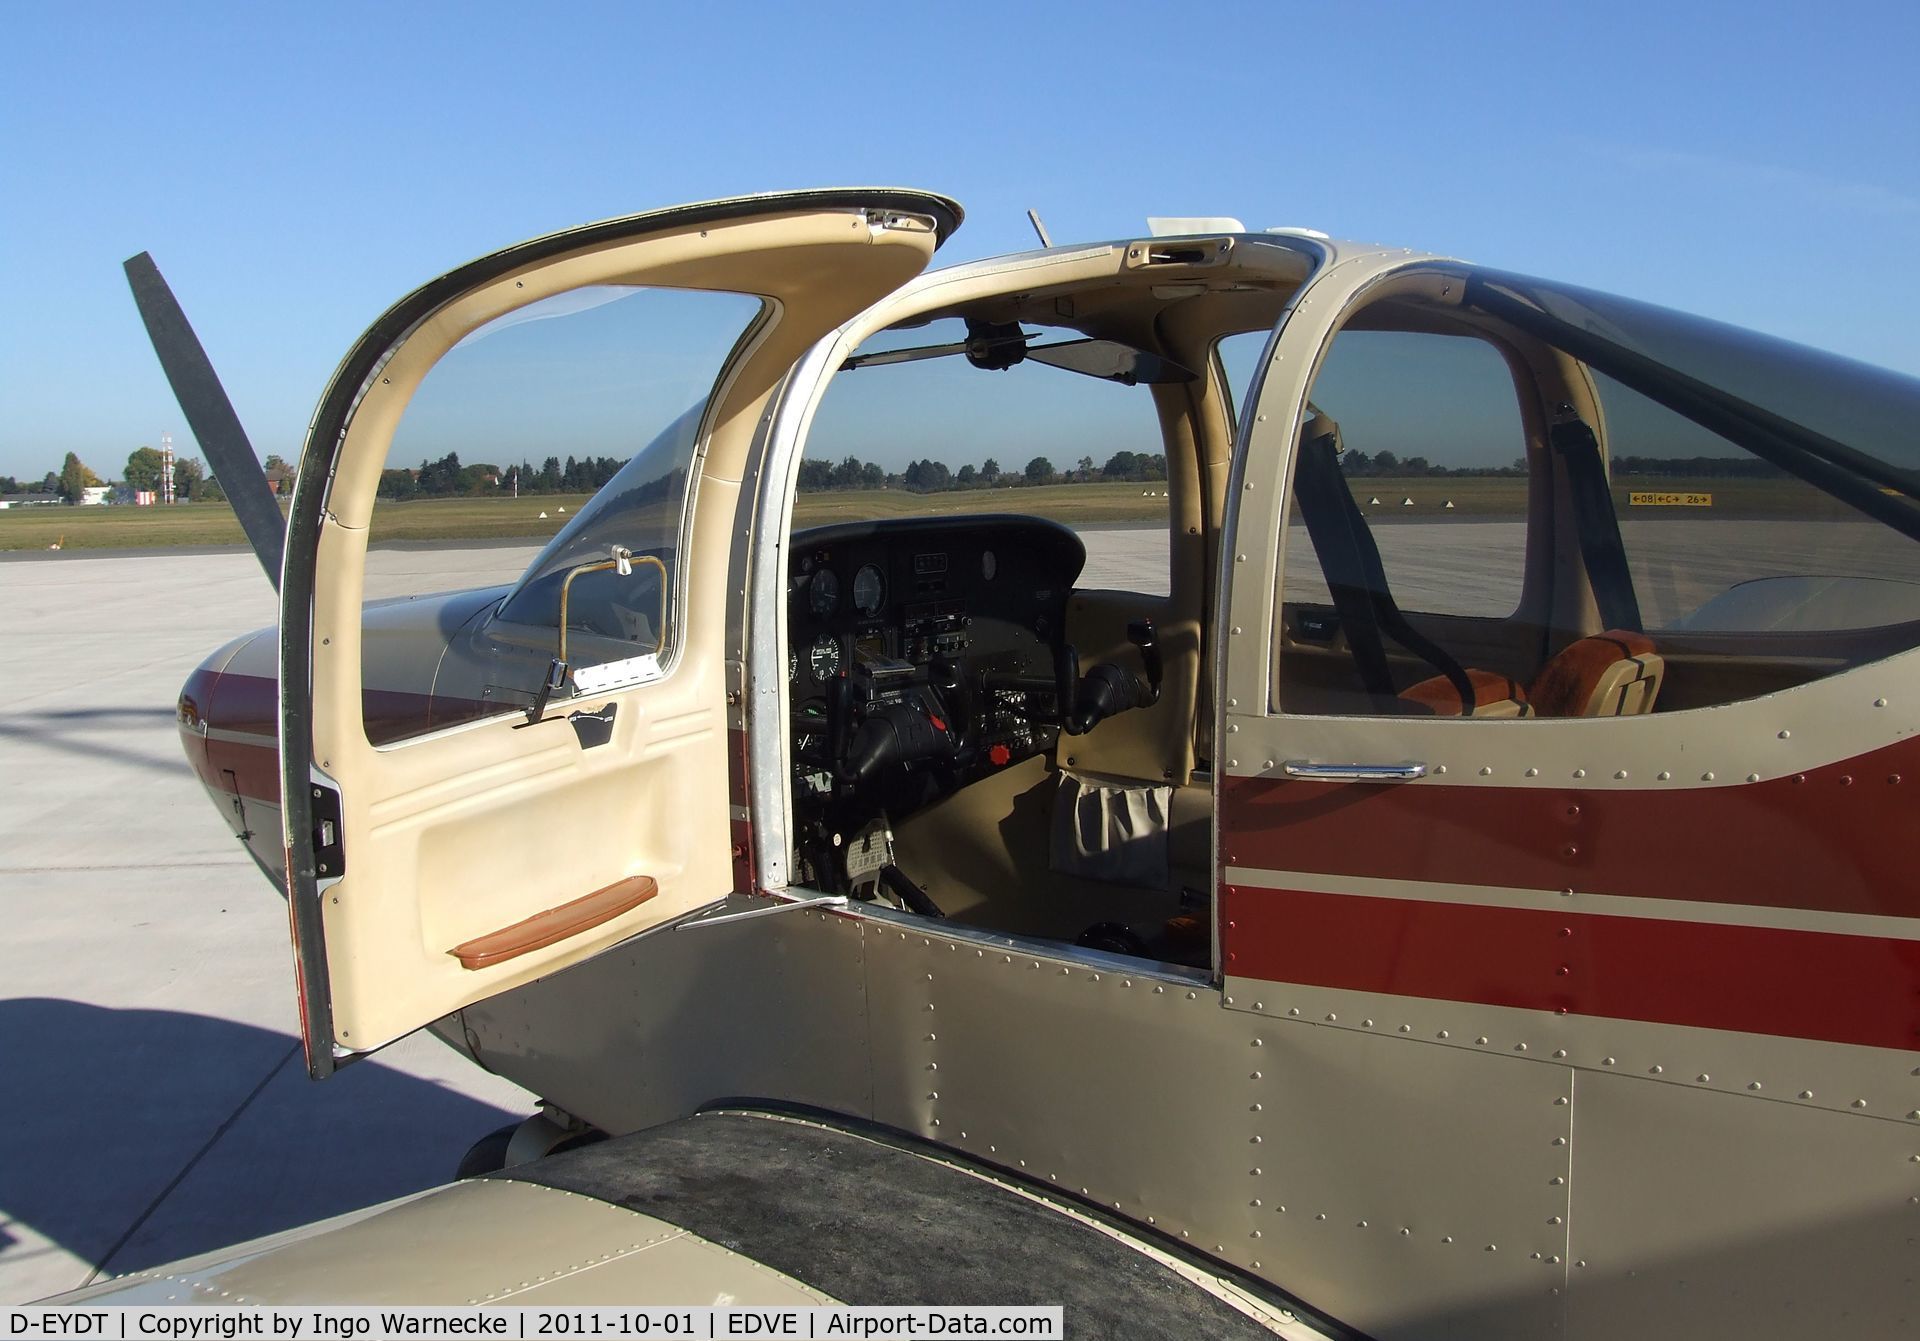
[(139, 1136), (89, 732)]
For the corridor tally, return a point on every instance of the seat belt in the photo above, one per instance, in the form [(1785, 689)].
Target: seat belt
[(1316, 482), (1356, 577), (1601, 549)]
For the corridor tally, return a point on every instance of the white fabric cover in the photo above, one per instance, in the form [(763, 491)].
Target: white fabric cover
[(1112, 831)]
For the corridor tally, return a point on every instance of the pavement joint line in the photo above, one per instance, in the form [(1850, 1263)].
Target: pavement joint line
[(190, 1165), (128, 866)]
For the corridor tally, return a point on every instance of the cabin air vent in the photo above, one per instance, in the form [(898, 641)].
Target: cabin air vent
[(1185, 251)]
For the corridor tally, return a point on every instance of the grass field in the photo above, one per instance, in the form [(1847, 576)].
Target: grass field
[(520, 519), (1074, 504)]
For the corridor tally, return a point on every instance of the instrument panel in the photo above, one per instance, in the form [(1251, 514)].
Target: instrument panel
[(959, 618)]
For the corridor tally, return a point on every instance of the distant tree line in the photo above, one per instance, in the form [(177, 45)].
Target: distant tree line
[(144, 469), (1387, 463), (1710, 467), (447, 478), (928, 476)]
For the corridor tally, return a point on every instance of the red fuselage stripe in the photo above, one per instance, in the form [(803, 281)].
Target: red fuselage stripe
[(250, 705), (1831, 839), (1800, 984)]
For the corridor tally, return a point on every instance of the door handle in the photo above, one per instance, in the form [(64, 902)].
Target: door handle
[(555, 924), (1301, 768)]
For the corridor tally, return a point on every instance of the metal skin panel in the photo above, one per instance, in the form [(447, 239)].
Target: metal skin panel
[(672, 1020), (1135, 1089), (1416, 1194), (1034, 1062), (1791, 1222), (1864, 1083), (1686, 1143), (1140, 1093), (1116, 1082)]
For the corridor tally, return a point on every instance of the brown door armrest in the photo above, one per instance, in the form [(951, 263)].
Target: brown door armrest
[(555, 924)]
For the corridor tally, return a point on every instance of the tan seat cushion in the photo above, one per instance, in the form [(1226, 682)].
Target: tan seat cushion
[(1612, 674), (1494, 695)]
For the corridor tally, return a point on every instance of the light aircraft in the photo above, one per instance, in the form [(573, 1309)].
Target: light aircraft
[(1503, 926)]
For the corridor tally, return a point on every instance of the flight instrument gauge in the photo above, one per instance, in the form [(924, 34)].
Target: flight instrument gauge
[(823, 594), (825, 658), (869, 590)]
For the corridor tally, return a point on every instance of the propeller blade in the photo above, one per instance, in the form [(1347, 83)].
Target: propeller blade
[(210, 414)]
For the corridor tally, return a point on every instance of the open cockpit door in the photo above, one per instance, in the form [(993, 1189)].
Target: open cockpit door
[(561, 781)]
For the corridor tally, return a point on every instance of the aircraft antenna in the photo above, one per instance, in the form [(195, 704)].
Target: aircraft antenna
[(1033, 217)]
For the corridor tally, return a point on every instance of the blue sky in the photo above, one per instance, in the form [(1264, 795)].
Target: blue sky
[(295, 169)]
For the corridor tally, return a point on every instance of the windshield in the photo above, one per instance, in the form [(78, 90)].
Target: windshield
[(652, 356), (639, 509)]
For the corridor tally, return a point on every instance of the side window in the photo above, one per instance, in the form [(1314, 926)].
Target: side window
[(1436, 458), (538, 446), (1424, 502), (1431, 430), (1744, 512), (920, 431)]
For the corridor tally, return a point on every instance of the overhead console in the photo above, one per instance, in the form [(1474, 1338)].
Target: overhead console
[(924, 655)]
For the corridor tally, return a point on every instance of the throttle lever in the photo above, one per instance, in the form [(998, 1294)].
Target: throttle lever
[(1066, 684), (1111, 688), (1140, 634), (839, 721)]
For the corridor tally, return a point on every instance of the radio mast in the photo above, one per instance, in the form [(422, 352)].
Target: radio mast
[(166, 467)]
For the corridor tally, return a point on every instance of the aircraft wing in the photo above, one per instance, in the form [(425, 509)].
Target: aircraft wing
[(740, 1209)]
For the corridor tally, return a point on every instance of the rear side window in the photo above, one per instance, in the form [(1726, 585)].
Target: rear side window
[(1720, 541)]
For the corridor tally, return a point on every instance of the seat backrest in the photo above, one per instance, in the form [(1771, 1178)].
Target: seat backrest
[(1611, 674)]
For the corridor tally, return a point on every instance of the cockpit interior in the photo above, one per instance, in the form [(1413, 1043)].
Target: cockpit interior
[(984, 729)]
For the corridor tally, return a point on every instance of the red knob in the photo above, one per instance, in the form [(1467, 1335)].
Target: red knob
[(999, 755)]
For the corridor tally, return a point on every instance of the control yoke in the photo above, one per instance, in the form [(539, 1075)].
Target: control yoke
[(864, 740), (1108, 689)]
